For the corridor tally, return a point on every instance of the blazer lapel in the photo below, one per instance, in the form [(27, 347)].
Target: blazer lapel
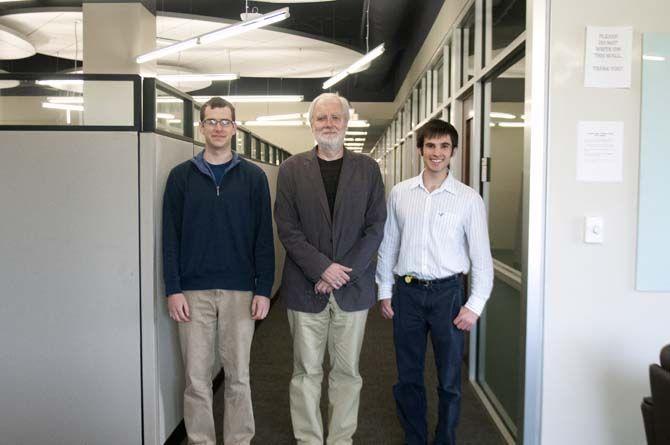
[(346, 174), (314, 172)]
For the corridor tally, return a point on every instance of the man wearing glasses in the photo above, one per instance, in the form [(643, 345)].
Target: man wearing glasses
[(218, 265)]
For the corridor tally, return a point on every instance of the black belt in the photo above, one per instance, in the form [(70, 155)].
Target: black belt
[(414, 281)]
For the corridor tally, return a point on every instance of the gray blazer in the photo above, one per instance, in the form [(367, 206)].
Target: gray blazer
[(313, 242)]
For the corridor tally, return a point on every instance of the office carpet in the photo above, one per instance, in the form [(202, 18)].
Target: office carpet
[(378, 425)]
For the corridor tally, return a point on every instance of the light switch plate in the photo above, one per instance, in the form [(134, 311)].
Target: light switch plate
[(594, 230)]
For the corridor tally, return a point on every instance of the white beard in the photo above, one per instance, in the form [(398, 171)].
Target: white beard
[(330, 143)]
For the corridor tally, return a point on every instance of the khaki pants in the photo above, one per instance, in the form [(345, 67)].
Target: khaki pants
[(229, 312), (342, 332)]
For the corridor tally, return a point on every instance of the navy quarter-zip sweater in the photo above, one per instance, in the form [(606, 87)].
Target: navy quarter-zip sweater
[(217, 236)]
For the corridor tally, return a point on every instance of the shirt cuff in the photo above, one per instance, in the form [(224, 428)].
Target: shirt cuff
[(476, 304), (385, 291)]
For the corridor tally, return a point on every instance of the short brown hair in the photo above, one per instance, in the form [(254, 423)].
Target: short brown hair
[(436, 128), (217, 102)]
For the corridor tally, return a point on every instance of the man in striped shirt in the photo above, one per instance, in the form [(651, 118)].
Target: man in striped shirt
[(435, 232)]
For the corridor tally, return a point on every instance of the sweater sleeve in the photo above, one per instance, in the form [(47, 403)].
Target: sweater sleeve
[(264, 249), (173, 205)]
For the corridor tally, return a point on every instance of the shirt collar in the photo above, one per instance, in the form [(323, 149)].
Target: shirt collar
[(448, 184)]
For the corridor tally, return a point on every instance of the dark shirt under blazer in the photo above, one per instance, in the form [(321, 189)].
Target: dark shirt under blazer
[(313, 240)]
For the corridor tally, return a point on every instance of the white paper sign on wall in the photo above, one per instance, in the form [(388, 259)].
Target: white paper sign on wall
[(608, 57), (600, 151)]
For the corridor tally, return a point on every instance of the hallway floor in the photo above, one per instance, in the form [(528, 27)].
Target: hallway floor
[(271, 372)]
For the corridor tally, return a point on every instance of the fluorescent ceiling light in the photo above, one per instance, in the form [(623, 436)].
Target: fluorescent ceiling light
[(59, 82), (174, 121), (492, 124), (653, 58), (354, 67), (282, 117), (170, 100), (165, 116), (354, 139), (219, 34), (238, 99), (66, 99), (195, 77), (356, 133), (292, 1), (293, 123), (511, 124), (358, 124), (497, 115), (68, 107)]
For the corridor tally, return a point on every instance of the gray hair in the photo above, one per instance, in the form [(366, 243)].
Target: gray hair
[(344, 102)]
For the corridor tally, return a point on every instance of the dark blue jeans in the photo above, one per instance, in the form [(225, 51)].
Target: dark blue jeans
[(419, 310)]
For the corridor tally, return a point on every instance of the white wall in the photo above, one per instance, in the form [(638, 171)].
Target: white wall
[(599, 334)]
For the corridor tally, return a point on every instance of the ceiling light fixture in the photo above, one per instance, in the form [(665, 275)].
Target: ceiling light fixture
[(66, 99), (219, 34), (282, 117), (239, 99), (511, 124), (354, 67), (60, 82), (498, 115), (165, 116), (195, 77), (356, 133), (291, 123), (358, 124), (67, 107)]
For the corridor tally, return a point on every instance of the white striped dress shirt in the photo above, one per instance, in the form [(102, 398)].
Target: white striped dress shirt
[(435, 235)]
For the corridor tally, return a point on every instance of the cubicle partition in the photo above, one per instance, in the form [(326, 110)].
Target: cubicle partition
[(88, 352)]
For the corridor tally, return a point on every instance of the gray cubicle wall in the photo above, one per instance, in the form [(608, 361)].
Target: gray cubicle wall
[(69, 268), (163, 376), (163, 380)]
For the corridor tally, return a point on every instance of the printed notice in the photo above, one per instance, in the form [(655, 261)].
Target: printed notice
[(600, 151), (608, 57)]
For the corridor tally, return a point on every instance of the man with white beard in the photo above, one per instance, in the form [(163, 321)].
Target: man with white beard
[(330, 215)]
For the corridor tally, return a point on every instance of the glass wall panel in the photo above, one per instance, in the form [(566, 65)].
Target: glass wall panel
[(197, 135), (240, 139), (263, 152), (438, 73), (447, 69), (508, 20), (66, 102), (422, 100), (254, 147), (428, 82), (467, 30), (169, 113), (500, 343)]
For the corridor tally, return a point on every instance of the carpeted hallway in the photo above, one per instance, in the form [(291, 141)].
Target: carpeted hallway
[(271, 372)]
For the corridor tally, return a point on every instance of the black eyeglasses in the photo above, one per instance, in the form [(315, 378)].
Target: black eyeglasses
[(212, 123)]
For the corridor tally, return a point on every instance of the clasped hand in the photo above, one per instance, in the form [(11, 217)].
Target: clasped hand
[(334, 277)]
